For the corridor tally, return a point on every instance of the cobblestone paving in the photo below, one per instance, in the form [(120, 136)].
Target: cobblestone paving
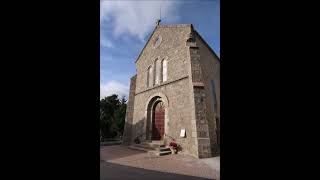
[(178, 164)]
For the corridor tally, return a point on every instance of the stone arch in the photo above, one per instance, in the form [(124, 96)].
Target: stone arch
[(161, 95), (151, 102)]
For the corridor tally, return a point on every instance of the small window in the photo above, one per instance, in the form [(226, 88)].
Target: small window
[(157, 42), (150, 76), (158, 71), (214, 96), (164, 70)]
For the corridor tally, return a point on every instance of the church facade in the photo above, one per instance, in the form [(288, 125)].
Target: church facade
[(176, 92)]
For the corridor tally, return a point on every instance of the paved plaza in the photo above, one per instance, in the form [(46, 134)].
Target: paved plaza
[(120, 162)]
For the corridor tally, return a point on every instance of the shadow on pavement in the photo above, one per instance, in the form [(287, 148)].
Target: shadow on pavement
[(110, 171)]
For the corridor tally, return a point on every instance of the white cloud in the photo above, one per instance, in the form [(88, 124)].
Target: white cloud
[(113, 87), (136, 18), (105, 43)]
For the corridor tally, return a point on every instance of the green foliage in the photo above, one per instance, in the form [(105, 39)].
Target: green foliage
[(112, 116)]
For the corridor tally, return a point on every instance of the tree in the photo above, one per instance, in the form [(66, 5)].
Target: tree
[(112, 116), (121, 114)]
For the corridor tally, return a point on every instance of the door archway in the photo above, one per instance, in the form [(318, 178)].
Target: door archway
[(157, 113), (158, 120)]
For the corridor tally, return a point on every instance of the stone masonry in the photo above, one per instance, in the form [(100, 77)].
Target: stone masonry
[(129, 112), (178, 68)]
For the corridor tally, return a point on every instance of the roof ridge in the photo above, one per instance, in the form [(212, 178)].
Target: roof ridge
[(158, 26), (145, 45), (174, 25)]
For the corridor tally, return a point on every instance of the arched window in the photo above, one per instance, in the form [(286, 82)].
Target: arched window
[(164, 70), (158, 71), (214, 96), (150, 76)]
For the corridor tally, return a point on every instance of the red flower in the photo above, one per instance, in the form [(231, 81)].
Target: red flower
[(173, 144)]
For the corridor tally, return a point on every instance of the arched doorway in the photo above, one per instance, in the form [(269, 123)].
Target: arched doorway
[(158, 121), (157, 113)]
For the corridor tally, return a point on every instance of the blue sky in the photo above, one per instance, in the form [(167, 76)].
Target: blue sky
[(125, 26)]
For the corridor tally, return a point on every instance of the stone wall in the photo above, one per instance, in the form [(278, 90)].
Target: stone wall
[(127, 135), (178, 111), (171, 47), (210, 66), (201, 131)]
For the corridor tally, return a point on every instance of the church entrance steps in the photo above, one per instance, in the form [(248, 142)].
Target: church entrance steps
[(158, 148), (164, 151), (135, 147), (156, 143), (143, 147)]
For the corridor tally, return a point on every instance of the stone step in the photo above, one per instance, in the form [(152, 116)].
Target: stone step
[(162, 153), (164, 149), (157, 148), (146, 146), (134, 147), (156, 142), (152, 145)]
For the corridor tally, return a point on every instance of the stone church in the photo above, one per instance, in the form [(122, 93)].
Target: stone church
[(176, 92)]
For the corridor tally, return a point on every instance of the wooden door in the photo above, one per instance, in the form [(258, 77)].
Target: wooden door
[(158, 123)]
